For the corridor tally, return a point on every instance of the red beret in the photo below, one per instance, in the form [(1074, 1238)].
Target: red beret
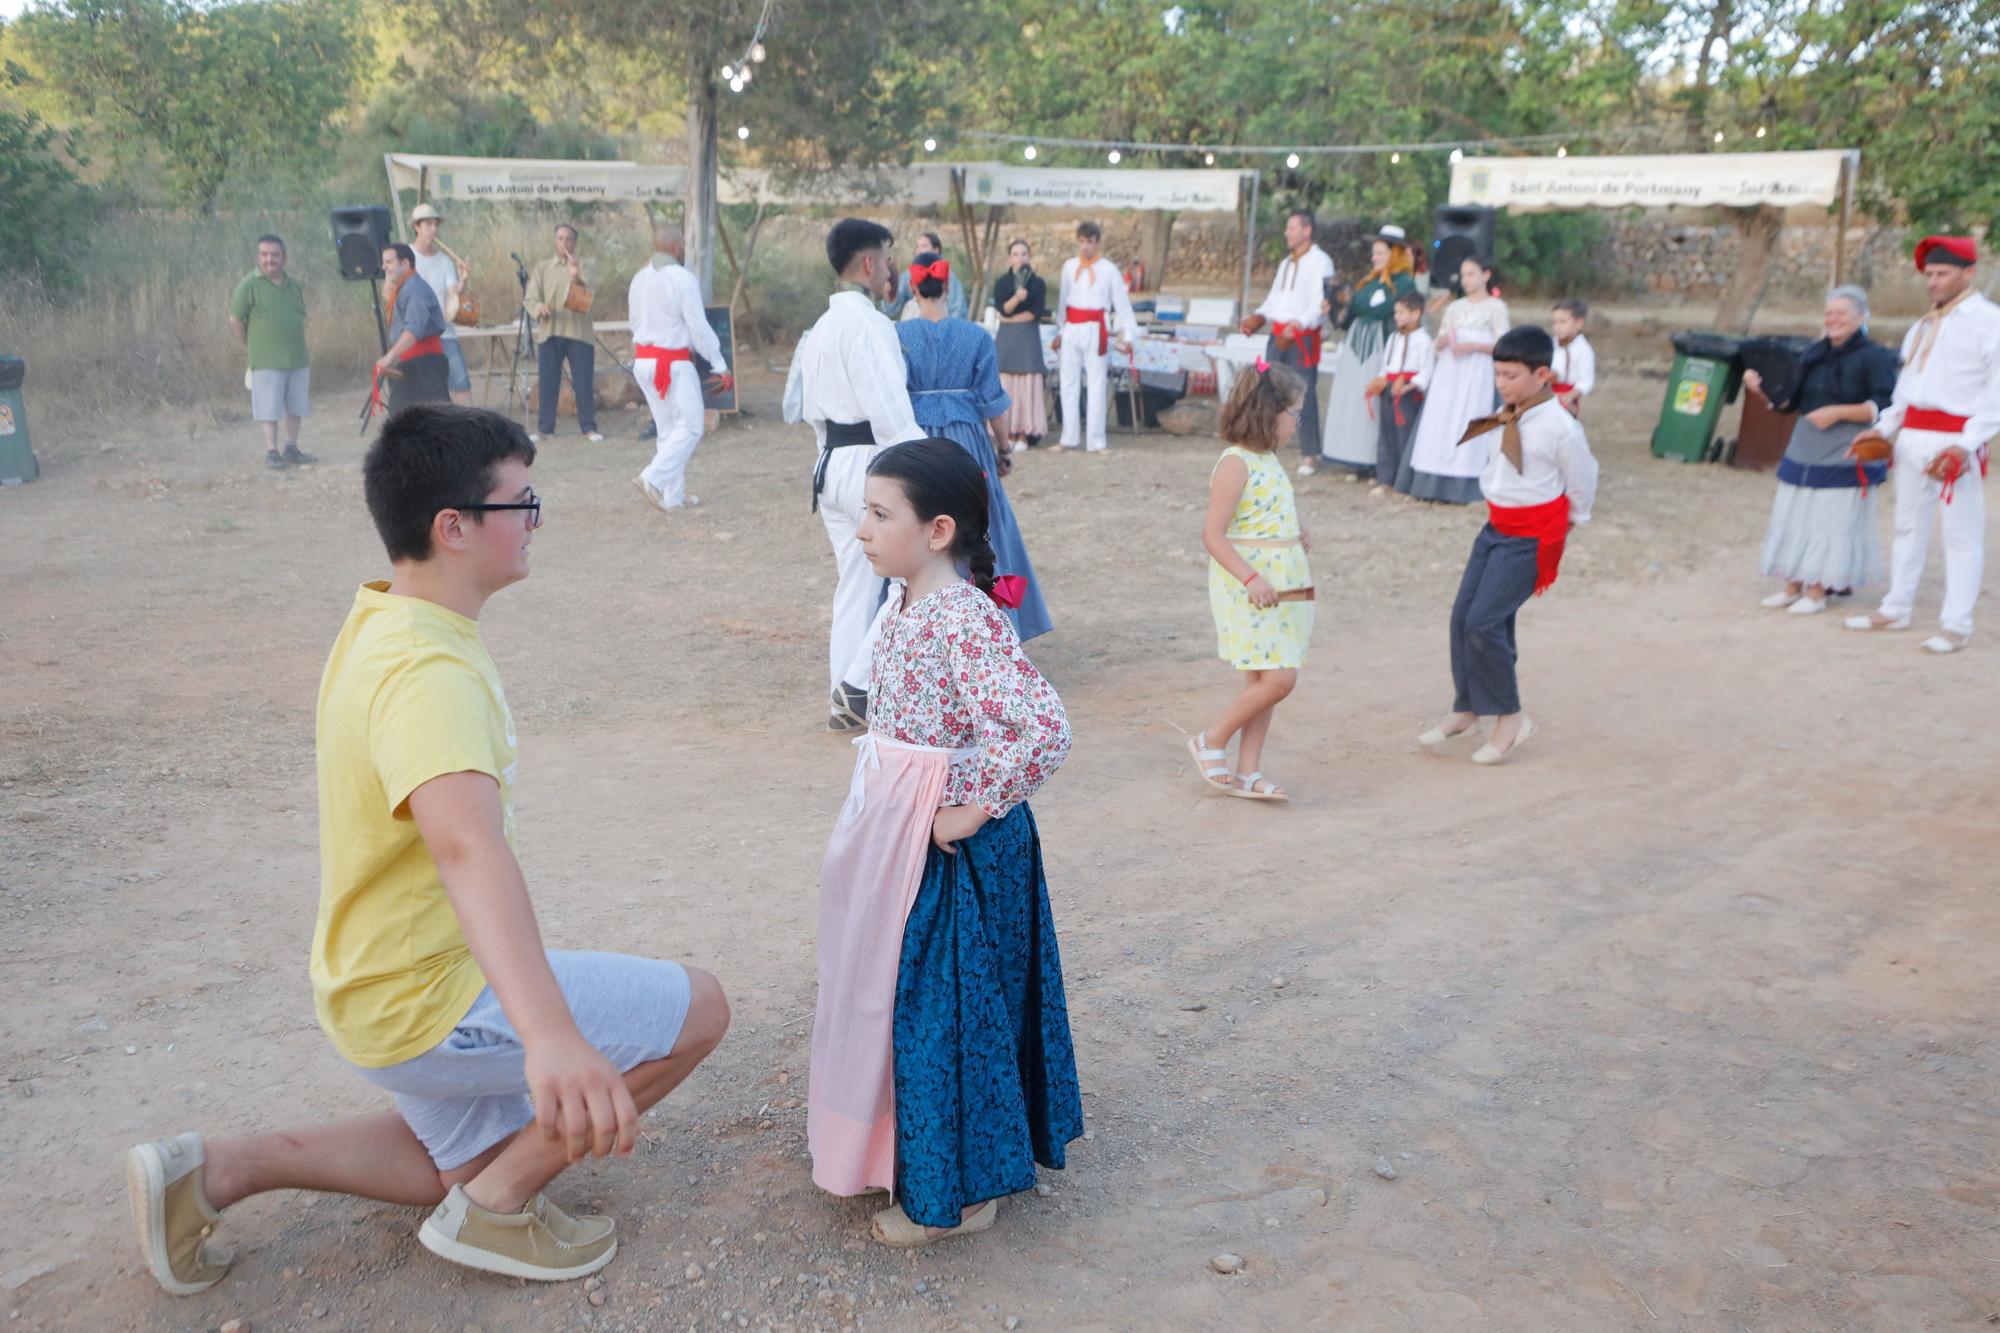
[(1957, 250)]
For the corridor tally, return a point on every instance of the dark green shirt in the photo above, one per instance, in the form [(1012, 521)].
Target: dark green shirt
[(1365, 306), (275, 314)]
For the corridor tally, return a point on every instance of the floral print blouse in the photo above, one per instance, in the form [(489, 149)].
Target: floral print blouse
[(949, 672)]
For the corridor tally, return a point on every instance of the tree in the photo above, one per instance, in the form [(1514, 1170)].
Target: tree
[(40, 201), (210, 90)]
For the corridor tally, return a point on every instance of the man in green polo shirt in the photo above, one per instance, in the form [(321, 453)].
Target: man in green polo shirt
[(268, 313)]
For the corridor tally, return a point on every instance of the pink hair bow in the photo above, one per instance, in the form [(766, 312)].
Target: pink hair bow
[(1008, 590), (1262, 365)]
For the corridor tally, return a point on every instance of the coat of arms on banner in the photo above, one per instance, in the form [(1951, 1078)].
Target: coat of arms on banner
[(444, 181)]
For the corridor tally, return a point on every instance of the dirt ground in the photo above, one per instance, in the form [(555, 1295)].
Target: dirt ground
[(1682, 1020)]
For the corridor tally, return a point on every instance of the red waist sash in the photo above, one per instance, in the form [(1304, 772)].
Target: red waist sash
[(1408, 377), (431, 346), (1929, 418), (1561, 389), (1547, 523), (1307, 339), (663, 359), (1071, 315)]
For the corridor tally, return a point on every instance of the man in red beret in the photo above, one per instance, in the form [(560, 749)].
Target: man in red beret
[(1945, 410)]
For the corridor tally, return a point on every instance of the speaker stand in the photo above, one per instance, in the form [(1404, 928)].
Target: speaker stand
[(381, 325)]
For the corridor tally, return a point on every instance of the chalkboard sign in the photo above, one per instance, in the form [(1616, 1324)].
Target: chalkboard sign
[(725, 333)]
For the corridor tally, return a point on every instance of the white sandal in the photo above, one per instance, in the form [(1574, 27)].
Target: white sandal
[(894, 1228), (1211, 765), (1437, 735), (1490, 753), (1248, 791)]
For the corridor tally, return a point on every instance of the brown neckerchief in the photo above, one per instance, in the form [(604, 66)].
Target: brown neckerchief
[(1508, 422), (1929, 326)]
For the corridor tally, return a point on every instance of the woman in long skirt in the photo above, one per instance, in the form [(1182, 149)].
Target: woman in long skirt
[(955, 389), (1022, 300), (1438, 466), (942, 1064), (1823, 535), (1351, 435)]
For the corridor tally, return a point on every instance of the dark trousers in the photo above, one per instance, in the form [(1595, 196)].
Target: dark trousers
[(549, 358), (1295, 357), (1499, 579), (1392, 442), (424, 379)]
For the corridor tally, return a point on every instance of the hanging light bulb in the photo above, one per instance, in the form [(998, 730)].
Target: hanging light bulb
[(1760, 131), (930, 145), (742, 131), (736, 84), (1718, 136), (744, 74), (1292, 160), (1458, 155), (1208, 158), (757, 52), (728, 73), (1563, 151), (1114, 155), (1394, 158), (1029, 152)]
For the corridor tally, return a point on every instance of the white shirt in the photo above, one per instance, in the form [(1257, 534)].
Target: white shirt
[(1298, 289), (1414, 352), (665, 308), (849, 367), (1576, 365), (441, 272), (1101, 288), (1960, 375), (1555, 460)]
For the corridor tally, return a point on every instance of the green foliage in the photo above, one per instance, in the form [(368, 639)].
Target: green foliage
[(1555, 253), (41, 204), (213, 91)]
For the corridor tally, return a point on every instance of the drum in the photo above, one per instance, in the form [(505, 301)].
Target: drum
[(577, 300)]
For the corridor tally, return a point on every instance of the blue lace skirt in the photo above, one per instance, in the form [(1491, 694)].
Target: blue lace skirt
[(985, 1072)]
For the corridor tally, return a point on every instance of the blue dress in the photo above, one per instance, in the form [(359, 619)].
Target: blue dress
[(955, 389)]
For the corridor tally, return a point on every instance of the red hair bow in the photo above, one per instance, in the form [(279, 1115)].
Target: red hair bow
[(1008, 590), (937, 268)]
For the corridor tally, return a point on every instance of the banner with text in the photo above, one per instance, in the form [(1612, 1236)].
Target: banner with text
[(1692, 180)]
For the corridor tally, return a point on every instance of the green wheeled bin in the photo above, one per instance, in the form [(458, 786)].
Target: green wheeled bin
[(1706, 375), (17, 459)]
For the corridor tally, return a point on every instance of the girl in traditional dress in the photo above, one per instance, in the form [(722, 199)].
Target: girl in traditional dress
[(1351, 434), (1259, 584), (1823, 533), (1439, 468), (1021, 298), (955, 390), (942, 1067)]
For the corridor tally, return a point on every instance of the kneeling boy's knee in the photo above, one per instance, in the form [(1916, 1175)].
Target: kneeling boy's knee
[(708, 1012)]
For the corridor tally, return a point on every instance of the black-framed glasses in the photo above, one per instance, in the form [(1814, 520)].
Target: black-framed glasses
[(533, 504)]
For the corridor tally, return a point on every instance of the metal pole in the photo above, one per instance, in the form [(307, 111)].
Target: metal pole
[(1250, 239), (395, 198)]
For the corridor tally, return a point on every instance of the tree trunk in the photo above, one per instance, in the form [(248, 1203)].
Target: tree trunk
[(1757, 229), (699, 223), (1156, 243)]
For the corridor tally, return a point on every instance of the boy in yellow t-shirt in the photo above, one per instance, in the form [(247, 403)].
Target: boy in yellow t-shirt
[(428, 970)]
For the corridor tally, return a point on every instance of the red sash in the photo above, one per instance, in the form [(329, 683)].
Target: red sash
[(1071, 315), (1408, 377), (1560, 390), (1308, 340), (1547, 523), (663, 359), (1929, 418), (431, 346)]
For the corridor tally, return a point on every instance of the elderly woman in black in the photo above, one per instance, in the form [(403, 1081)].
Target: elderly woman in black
[(1823, 529)]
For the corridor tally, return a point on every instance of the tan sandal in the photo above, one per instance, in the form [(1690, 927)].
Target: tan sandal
[(894, 1228), (1249, 790)]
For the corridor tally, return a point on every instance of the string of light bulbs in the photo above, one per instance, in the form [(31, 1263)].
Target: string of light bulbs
[(737, 75)]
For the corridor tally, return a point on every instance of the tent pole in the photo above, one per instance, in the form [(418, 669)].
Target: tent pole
[(1250, 238), (395, 197)]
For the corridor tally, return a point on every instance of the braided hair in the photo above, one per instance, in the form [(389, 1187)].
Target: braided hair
[(939, 477)]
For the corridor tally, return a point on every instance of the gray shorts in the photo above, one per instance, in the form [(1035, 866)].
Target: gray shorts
[(469, 1092), (454, 357), (280, 393)]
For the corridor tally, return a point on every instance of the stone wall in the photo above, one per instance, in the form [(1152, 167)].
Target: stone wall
[(1652, 254)]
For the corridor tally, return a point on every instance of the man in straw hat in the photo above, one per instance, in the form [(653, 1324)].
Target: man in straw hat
[(1945, 409), (446, 274)]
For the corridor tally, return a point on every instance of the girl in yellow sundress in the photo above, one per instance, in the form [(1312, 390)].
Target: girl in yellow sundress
[(1259, 584)]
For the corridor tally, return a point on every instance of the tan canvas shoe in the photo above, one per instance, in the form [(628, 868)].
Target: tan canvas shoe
[(171, 1215), (540, 1242)]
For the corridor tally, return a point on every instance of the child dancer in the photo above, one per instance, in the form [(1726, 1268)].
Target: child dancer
[(1461, 390), (1538, 485), (1398, 392), (1576, 362), (942, 1065), (1259, 584)]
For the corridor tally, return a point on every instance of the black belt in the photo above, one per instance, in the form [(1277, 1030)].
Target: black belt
[(839, 435)]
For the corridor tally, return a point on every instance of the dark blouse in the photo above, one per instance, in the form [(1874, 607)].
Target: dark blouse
[(1037, 303), (1858, 371), (1384, 312)]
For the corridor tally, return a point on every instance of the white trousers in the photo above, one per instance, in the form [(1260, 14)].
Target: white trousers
[(1918, 502), (1079, 360), (679, 419), (858, 593)]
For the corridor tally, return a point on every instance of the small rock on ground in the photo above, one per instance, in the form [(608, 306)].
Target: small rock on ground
[(1226, 1264), (1383, 1169)]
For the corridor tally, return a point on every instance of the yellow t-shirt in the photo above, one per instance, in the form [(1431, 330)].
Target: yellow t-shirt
[(409, 694)]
